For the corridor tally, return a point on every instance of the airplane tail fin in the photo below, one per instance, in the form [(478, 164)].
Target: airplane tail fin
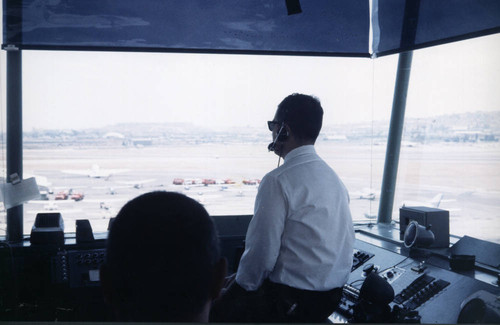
[(436, 201)]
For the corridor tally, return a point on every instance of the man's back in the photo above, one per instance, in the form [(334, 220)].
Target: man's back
[(318, 235), (308, 205)]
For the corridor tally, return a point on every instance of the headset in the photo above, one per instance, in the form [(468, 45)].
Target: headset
[(280, 137)]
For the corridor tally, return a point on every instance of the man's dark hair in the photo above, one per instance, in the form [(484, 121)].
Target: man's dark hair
[(303, 114), (161, 252)]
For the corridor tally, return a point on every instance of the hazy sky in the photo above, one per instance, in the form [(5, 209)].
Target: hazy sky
[(93, 89)]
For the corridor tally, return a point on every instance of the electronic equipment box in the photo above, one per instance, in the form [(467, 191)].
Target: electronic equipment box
[(437, 219)]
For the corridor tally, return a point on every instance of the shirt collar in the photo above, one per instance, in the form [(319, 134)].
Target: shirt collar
[(299, 151)]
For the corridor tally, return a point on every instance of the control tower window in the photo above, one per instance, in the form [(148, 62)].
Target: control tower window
[(101, 128), (450, 154)]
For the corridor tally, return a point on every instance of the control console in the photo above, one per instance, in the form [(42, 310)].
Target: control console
[(419, 291), (78, 268), (359, 258), (423, 291)]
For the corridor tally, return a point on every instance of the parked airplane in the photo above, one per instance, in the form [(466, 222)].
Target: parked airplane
[(110, 189), (136, 184), (95, 172), (49, 205), (42, 182), (365, 194), (433, 203)]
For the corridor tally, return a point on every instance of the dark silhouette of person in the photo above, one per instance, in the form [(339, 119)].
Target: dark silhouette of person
[(162, 260), (299, 243)]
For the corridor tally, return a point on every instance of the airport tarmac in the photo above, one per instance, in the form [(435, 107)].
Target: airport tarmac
[(467, 176)]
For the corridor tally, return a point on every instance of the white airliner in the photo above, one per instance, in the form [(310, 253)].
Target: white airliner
[(62, 206), (433, 203), (51, 204), (42, 182), (112, 190), (365, 194), (95, 172), (136, 184)]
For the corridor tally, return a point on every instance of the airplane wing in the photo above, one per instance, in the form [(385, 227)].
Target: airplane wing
[(432, 203), (40, 180), (95, 172), (140, 182), (364, 194), (84, 172), (55, 210), (52, 201), (107, 200)]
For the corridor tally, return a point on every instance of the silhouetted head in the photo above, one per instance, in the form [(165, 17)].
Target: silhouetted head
[(301, 117), (303, 114), (162, 260)]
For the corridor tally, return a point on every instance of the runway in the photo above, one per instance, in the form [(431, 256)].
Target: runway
[(467, 176)]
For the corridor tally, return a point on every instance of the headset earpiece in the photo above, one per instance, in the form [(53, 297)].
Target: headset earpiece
[(283, 136), (280, 137)]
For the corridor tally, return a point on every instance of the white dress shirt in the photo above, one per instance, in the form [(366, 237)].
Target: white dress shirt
[(301, 233)]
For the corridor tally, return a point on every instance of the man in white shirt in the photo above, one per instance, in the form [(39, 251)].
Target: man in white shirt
[(299, 243)]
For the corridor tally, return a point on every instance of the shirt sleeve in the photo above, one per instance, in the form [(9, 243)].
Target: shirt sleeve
[(263, 239)]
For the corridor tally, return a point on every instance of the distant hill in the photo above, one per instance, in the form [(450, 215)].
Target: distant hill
[(469, 127)]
